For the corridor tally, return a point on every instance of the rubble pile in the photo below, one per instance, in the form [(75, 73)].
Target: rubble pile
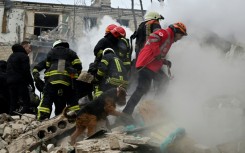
[(24, 133), (11, 127)]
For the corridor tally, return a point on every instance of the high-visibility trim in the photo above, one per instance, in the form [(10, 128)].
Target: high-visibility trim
[(119, 69), (60, 82), (125, 40), (55, 72), (105, 62), (44, 109), (97, 92), (126, 63), (118, 82), (74, 108), (76, 61), (47, 64), (99, 53), (155, 39), (35, 70), (100, 73)]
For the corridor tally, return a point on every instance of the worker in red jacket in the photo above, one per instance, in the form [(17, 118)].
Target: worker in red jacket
[(151, 58)]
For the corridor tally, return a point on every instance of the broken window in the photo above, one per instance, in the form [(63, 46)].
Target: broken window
[(123, 22), (89, 22), (44, 22)]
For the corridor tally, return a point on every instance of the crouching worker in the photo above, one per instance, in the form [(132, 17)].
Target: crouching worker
[(96, 110)]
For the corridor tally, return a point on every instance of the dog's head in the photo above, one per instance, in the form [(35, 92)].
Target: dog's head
[(121, 96)]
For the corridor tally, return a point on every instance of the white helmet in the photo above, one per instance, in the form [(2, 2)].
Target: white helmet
[(107, 50), (153, 16), (56, 43)]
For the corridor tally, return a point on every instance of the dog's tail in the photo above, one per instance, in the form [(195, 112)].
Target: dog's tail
[(70, 115)]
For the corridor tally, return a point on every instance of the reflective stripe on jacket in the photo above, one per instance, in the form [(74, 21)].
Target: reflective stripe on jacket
[(157, 44), (70, 68)]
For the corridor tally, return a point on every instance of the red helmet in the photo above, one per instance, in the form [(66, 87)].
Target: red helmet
[(118, 32), (109, 28)]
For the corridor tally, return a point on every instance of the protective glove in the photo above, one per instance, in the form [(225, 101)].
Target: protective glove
[(36, 75), (39, 84), (168, 63)]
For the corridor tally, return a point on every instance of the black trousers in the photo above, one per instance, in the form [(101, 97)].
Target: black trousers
[(18, 91), (60, 95), (144, 83)]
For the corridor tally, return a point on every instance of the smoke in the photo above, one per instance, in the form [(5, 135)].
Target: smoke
[(206, 96), (87, 43)]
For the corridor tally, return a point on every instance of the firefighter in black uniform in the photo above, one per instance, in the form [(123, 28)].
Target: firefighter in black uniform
[(111, 73), (123, 51), (110, 40), (63, 67)]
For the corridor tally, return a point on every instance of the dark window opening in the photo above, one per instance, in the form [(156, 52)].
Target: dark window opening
[(44, 22), (123, 22), (89, 22)]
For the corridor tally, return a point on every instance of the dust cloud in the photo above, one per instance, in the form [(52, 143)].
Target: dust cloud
[(206, 96)]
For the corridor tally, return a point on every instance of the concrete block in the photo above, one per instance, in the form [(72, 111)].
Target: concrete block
[(3, 151), (19, 127), (3, 144), (16, 117), (136, 140), (7, 132), (29, 141), (114, 144), (28, 118), (2, 126), (50, 147)]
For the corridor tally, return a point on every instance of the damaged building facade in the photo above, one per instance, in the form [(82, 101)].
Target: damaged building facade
[(28, 20)]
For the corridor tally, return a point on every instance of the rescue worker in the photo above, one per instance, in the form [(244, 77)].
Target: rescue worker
[(4, 94), (145, 28), (110, 40), (111, 73), (123, 51), (152, 58), (19, 77), (63, 67)]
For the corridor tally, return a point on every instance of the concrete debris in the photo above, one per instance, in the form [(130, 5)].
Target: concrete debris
[(25, 134)]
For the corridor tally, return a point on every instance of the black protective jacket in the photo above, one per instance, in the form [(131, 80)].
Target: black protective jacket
[(70, 69), (142, 33), (18, 67), (123, 51), (109, 41), (111, 70)]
